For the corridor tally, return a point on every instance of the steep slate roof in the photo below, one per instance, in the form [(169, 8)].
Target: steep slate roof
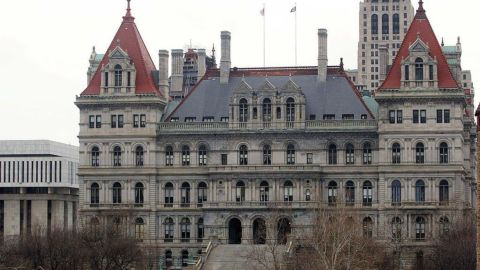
[(336, 96), (128, 38), (421, 28)]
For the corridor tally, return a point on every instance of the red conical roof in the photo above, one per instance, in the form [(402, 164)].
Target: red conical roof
[(422, 29), (128, 38)]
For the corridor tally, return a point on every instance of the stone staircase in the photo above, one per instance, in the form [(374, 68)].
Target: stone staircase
[(233, 257)]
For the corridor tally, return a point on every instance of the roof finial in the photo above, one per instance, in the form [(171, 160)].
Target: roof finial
[(128, 16), (443, 44), (420, 5), (341, 63)]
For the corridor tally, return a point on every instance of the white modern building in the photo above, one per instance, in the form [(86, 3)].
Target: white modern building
[(38, 186)]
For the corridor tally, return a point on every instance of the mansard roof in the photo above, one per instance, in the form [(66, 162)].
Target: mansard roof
[(420, 29), (128, 38), (210, 98)]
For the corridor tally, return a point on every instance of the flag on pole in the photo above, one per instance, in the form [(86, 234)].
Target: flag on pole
[(262, 12), (294, 9)]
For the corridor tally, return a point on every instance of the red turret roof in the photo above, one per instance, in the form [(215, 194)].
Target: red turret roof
[(422, 29), (128, 38)]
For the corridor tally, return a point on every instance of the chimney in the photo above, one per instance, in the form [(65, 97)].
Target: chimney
[(202, 62), (225, 61), (383, 62), (163, 72), (177, 70), (322, 54)]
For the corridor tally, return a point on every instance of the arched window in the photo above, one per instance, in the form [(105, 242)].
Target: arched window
[(396, 228), (117, 193), (420, 228), (168, 156), (184, 258), (202, 155), (367, 153), (185, 155), (396, 154), (185, 194), (420, 191), (185, 229), (243, 116), (443, 192), (290, 154), (308, 195), (139, 156), (94, 193), (396, 24), (95, 159), (240, 191), (168, 259), (202, 193), (396, 192), (117, 156), (420, 153), (374, 24), (385, 24), (139, 228), (444, 224), (169, 230), (367, 193), (243, 155), (419, 69), (288, 191), (200, 230), (264, 191), (367, 227), (332, 193), (139, 193), (349, 154), (349, 193), (444, 153), (118, 77), (267, 155), (290, 110), (332, 154), (267, 110), (169, 195)]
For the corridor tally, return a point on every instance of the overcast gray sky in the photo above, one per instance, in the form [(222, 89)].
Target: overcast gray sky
[(45, 45)]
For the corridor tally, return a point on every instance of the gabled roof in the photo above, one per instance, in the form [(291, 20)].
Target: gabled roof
[(420, 28), (335, 96), (128, 38)]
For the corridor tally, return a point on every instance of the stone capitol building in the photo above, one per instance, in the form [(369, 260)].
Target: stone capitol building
[(245, 141)]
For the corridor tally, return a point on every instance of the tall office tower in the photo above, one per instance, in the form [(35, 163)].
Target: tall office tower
[(382, 27)]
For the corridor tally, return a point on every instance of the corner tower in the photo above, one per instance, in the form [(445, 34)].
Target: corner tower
[(119, 113)]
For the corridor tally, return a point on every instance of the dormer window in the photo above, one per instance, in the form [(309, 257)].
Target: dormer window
[(118, 78), (243, 116), (407, 73), (419, 69)]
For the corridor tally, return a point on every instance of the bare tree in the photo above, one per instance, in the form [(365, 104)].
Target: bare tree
[(455, 248)]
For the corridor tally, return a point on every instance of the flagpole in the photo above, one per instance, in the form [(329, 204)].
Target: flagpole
[(263, 35), (295, 34)]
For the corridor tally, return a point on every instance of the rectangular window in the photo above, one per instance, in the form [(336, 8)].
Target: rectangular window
[(439, 116), (98, 122), (446, 116), (415, 116), (120, 121), (329, 117), (224, 119), (114, 121), (208, 119), (224, 159), (106, 79), (136, 120), (309, 158), (174, 119), (91, 121), (407, 73), (430, 73), (391, 116), (129, 79), (190, 119), (399, 116), (143, 120), (347, 116), (423, 116), (312, 116)]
